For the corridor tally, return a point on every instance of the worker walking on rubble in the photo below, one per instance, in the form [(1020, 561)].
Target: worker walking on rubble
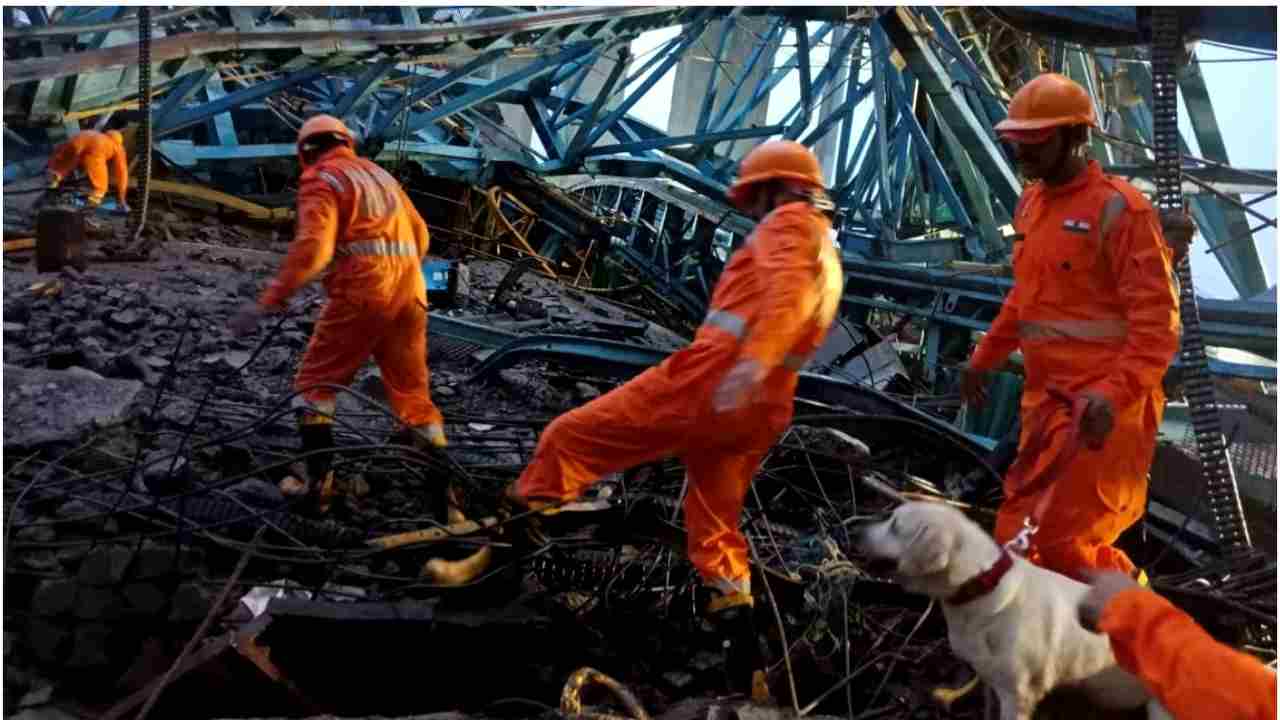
[(91, 151), (1190, 673), (1095, 313), (352, 213), (720, 403)]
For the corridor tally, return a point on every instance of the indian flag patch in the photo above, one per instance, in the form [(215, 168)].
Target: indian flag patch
[(1077, 226)]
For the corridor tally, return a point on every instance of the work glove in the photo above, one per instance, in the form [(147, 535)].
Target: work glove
[(246, 319), (1104, 587), (1098, 421), (740, 386), (973, 387)]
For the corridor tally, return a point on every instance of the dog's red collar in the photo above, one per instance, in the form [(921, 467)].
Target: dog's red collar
[(984, 582)]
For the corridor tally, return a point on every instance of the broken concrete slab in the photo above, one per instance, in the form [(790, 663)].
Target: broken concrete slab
[(73, 405)]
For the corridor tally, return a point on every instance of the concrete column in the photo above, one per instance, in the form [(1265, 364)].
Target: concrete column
[(513, 116), (695, 69)]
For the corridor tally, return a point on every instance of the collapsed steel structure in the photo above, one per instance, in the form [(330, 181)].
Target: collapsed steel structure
[(899, 104)]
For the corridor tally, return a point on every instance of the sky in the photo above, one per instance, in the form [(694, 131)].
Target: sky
[(1243, 96)]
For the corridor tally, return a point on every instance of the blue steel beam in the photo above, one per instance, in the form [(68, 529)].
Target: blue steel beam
[(902, 28), (364, 86), (583, 71), (775, 30), (628, 131), (578, 143), (536, 110), (806, 86), (182, 90), (190, 116), (842, 113), (846, 128), (429, 88), (767, 84), (693, 30), (879, 69), (824, 78), (845, 191), (663, 142), (983, 94), (498, 86)]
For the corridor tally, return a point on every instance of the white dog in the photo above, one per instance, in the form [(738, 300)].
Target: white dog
[(1015, 623)]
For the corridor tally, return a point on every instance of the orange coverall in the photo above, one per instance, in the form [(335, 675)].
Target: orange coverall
[(774, 302), (354, 213), (1190, 673), (1093, 308), (91, 151)]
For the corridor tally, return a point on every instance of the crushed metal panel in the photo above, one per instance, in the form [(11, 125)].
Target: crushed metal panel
[(875, 367)]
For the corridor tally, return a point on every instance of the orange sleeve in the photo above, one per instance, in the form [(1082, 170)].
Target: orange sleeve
[(1001, 339), (313, 246), (787, 248), (1140, 262), (420, 235), (120, 167), (1189, 672)]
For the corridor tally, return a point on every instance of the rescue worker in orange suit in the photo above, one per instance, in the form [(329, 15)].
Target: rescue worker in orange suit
[(353, 214), (1095, 313), (92, 151), (720, 403), (1191, 674)]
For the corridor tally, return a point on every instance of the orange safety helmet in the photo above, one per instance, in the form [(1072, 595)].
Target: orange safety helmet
[(321, 125), (775, 160), (1047, 102)]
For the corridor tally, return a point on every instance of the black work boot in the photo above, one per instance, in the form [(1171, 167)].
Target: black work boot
[(734, 619)]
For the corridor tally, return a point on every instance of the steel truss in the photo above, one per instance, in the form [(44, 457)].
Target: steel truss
[(900, 105)]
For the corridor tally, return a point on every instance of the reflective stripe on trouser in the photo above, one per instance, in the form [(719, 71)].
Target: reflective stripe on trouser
[(377, 248), (1115, 329), (430, 432), (348, 333), (727, 587), (665, 412), (315, 410), (736, 326)]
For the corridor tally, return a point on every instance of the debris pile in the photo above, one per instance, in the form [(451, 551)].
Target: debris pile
[(153, 559)]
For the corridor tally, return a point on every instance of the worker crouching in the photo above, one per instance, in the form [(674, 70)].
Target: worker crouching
[(1094, 311), (354, 215), (720, 403), (91, 152)]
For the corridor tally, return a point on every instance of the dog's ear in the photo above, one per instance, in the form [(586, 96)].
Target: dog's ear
[(928, 552)]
